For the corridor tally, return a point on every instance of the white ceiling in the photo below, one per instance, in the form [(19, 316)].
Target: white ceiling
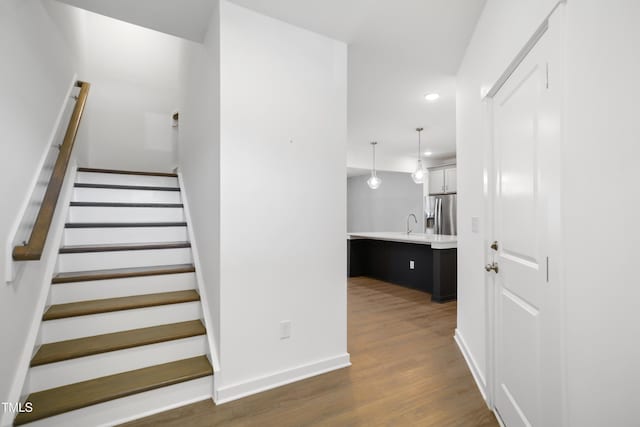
[(399, 51), (188, 19)]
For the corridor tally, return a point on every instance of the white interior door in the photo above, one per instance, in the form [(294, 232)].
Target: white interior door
[(526, 137)]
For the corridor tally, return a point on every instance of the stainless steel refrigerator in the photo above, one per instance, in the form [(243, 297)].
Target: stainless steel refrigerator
[(440, 214)]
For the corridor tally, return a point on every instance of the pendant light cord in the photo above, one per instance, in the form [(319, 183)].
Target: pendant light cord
[(373, 169), (374, 159)]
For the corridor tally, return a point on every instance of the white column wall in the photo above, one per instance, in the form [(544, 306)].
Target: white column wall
[(283, 202), (601, 205)]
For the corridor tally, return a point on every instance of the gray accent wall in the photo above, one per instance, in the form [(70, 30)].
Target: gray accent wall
[(386, 208)]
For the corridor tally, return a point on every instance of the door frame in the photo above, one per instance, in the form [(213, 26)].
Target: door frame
[(555, 21)]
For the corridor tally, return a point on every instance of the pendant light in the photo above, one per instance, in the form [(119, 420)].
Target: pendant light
[(418, 174), (374, 182)]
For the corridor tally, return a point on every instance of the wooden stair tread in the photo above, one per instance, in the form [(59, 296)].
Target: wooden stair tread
[(80, 347), (123, 247), (125, 205), (124, 224), (121, 273), (55, 401), (125, 187), (83, 308), (123, 172)]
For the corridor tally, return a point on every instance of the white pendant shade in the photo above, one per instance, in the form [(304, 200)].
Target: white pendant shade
[(418, 174), (374, 182)]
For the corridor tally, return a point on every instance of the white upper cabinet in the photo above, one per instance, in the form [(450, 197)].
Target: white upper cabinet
[(443, 180), (450, 183), (436, 181)]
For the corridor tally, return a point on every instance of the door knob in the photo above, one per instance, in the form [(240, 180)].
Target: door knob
[(492, 267)]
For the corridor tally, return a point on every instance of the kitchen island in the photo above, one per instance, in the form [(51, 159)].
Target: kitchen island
[(427, 262)]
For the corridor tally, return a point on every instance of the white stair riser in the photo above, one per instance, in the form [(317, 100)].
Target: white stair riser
[(122, 179), (86, 368), (122, 259), (135, 406), (124, 214), (99, 236), (62, 293), (126, 196), (117, 321)]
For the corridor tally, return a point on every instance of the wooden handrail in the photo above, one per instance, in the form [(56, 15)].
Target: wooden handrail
[(32, 251)]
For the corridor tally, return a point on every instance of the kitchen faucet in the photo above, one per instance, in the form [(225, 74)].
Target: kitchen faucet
[(414, 218)]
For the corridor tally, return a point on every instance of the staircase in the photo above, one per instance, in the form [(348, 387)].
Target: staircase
[(122, 335)]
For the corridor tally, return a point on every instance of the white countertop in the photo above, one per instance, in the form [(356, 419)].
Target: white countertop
[(436, 241)]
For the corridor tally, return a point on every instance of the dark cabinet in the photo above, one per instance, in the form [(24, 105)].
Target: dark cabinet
[(434, 270)]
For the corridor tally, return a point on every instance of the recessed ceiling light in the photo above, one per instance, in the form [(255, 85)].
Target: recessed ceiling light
[(428, 153), (432, 96)]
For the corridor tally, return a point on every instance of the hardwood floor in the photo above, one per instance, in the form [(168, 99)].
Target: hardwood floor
[(407, 371)]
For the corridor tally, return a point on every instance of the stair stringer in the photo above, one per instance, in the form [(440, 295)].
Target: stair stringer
[(200, 282), (50, 257)]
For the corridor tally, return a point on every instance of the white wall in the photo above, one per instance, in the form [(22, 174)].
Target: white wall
[(384, 161), (136, 81), (600, 194), (600, 145), (199, 160), (502, 30), (36, 73), (386, 208), (283, 202), (135, 76)]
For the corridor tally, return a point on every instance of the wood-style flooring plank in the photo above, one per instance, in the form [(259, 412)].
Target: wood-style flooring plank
[(406, 371), (83, 308), (67, 398), (122, 273), (124, 224), (124, 187), (124, 205), (79, 249), (121, 172), (87, 346)]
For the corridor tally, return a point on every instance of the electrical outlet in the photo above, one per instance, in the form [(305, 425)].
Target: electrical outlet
[(475, 224), (285, 329), (412, 265)]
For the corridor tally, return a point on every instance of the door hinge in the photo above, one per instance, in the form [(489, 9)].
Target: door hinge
[(547, 75), (547, 269)]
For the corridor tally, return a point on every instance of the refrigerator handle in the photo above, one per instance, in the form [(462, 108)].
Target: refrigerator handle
[(441, 219), (438, 215), (435, 215)]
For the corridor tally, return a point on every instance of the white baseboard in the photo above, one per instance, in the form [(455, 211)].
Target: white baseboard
[(497, 415), (236, 391), (473, 365)]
